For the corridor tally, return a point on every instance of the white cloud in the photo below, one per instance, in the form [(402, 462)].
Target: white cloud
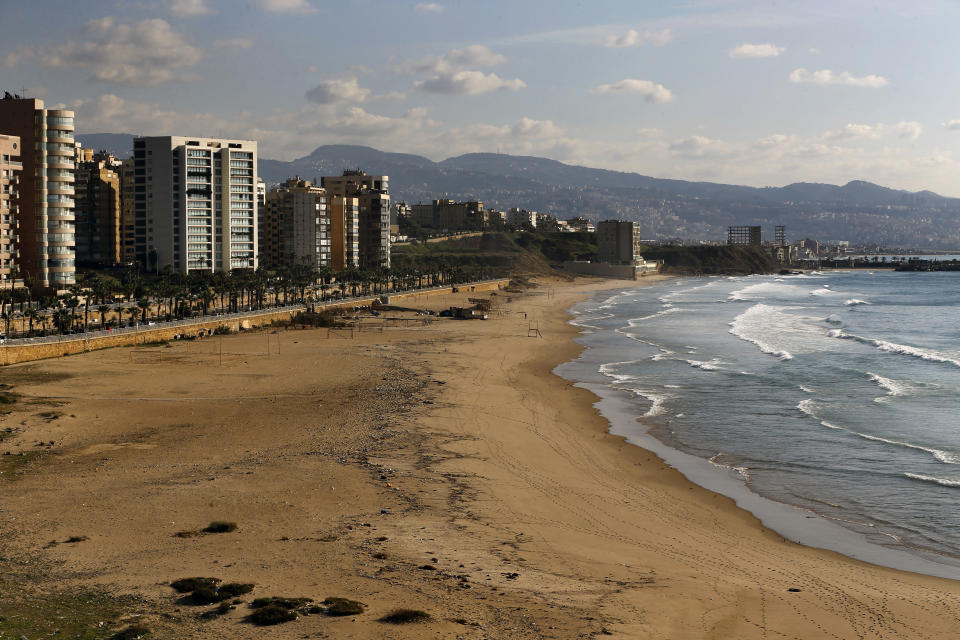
[(475, 55), (650, 91), (633, 38), (530, 128), (909, 129), (145, 53), (699, 146), (357, 122), (774, 141), (233, 43), (286, 6), (828, 77), (10, 60), (649, 133), (191, 8), (814, 51), (112, 114), (468, 83), (345, 89), (853, 131), (428, 7), (951, 125), (766, 50), (904, 129)]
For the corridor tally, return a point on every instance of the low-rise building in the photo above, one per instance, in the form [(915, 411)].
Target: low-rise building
[(581, 224), (521, 218)]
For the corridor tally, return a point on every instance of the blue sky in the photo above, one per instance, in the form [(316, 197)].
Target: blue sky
[(760, 93)]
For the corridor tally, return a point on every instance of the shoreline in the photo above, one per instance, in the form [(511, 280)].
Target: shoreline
[(442, 468), (789, 520)]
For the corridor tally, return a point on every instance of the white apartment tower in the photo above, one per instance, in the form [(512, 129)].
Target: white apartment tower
[(195, 203)]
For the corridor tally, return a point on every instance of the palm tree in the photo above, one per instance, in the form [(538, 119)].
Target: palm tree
[(134, 312), (62, 318), (102, 309), (144, 305), (32, 315)]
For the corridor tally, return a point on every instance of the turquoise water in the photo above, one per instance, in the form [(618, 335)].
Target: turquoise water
[(836, 392)]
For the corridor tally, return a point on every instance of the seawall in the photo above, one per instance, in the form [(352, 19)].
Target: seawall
[(69, 345)]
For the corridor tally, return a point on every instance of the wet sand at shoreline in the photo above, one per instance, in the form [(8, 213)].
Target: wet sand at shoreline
[(442, 468)]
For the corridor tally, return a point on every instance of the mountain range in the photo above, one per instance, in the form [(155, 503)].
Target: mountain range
[(858, 211)]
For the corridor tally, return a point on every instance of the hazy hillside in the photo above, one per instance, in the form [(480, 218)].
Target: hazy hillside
[(858, 211)]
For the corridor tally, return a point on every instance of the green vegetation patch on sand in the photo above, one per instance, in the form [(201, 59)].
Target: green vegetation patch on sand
[(12, 466), (82, 613)]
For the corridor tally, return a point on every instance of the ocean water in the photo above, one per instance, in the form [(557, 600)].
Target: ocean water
[(838, 392)]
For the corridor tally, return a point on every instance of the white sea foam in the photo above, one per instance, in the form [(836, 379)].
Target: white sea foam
[(672, 386), (582, 320), (946, 457), (806, 389), (852, 302), (941, 481), (821, 292), (710, 365), (892, 387), (777, 332), (657, 402), (743, 472), (902, 349), (807, 406), (765, 290), (633, 322), (609, 370)]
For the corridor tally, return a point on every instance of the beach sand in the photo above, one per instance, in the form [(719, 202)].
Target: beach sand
[(442, 468)]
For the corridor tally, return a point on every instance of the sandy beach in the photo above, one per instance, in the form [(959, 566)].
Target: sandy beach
[(442, 468)]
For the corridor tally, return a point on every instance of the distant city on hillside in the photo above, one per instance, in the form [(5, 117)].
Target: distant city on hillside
[(858, 212)]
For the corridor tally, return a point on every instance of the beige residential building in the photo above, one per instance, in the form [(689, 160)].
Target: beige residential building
[(298, 225), (195, 205), (47, 242), (98, 209), (373, 195), (10, 170)]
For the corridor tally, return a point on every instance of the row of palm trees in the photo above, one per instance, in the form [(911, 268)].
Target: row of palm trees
[(132, 297)]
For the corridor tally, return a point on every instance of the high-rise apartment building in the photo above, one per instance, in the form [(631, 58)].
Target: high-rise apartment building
[(373, 195), (98, 212), (344, 231), (195, 206), (298, 225), (10, 170), (128, 234), (261, 222), (47, 243)]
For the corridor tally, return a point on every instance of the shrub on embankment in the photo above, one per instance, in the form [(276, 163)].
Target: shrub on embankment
[(712, 260)]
